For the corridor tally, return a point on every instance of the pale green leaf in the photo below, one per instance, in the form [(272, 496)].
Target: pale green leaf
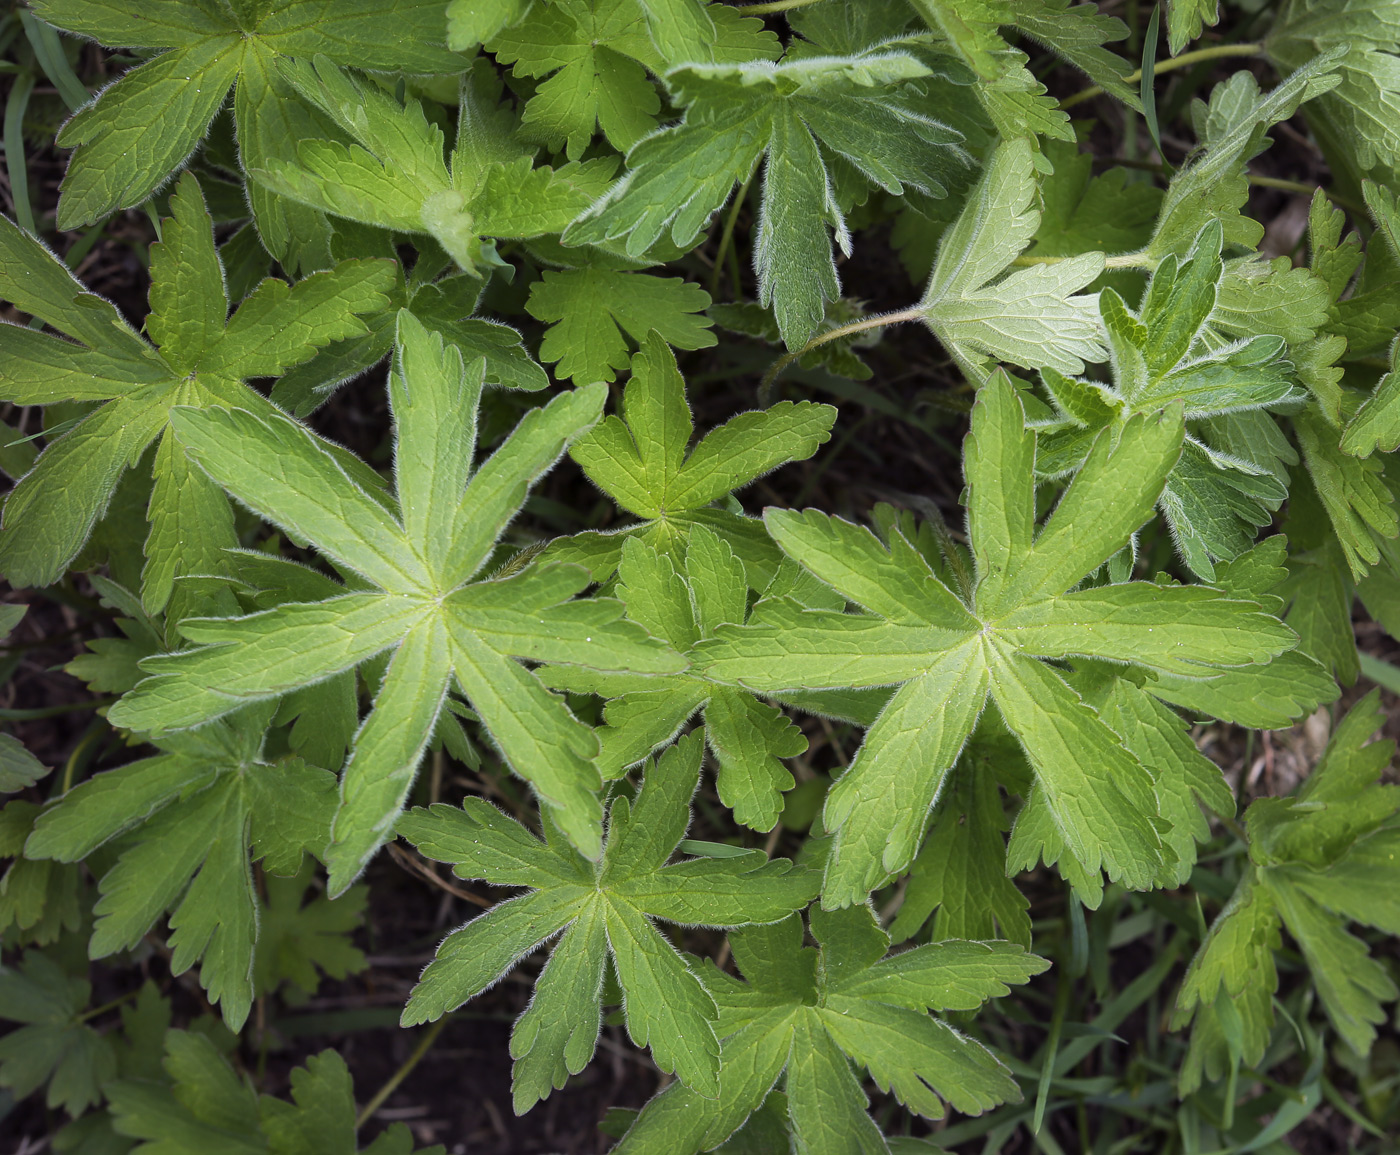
[(188, 302), (142, 127), (880, 807), (387, 750), (1098, 794), (1031, 316)]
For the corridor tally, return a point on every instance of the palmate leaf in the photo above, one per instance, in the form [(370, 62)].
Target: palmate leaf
[(1318, 859), (810, 1013), (1028, 317), (590, 310), (1092, 796), (190, 816), (1214, 500), (739, 114), (199, 359), (604, 909), (393, 175), (142, 128), (424, 610), (597, 56), (204, 1105), (640, 460), (53, 1045), (684, 604)]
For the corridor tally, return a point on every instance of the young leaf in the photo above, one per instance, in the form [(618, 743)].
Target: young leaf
[(605, 909), (640, 461), (143, 128), (1093, 799), (1214, 500), (1231, 130), (1320, 858), (1028, 317), (590, 310), (810, 1013), (194, 810), (748, 736), (200, 360), (736, 115), (394, 177), (425, 609)]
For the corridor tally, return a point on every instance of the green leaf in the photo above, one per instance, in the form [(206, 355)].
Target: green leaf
[(737, 114), (814, 1012), (1028, 315), (640, 461), (1012, 98), (53, 1046), (959, 873), (394, 175), (1093, 802), (1376, 425), (1358, 503), (195, 810), (469, 22), (1185, 19), (597, 82), (1078, 34), (666, 1005), (592, 312), (51, 513), (119, 161), (436, 622), (297, 943), (1308, 853), (1357, 113), (188, 304)]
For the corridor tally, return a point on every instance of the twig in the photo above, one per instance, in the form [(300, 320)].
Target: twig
[(423, 870)]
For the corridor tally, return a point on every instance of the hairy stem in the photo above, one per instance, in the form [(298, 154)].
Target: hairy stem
[(1122, 261), (775, 7), (1215, 52), (765, 388), (726, 238)]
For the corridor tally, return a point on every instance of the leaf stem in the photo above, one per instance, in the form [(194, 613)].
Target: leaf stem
[(725, 239), (105, 1007), (406, 1069), (1215, 52), (1299, 186), (765, 387), (773, 8), (1123, 261)]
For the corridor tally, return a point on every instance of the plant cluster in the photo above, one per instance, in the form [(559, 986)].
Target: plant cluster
[(1173, 475)]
